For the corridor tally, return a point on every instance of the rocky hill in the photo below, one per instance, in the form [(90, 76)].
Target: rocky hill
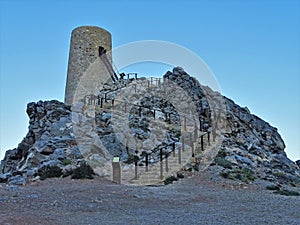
[(251, 148)]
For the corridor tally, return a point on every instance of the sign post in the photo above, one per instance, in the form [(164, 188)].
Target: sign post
[(116, 170)]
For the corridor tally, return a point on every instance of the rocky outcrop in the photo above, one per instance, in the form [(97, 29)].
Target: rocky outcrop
[(49, 148), (61, 139), (251, 147)]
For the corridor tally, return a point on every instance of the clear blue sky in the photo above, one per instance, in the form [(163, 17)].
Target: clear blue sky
[(253, 47)]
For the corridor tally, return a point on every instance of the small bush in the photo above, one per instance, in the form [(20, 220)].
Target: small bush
[(273, 188), (221, 153), (131, 159), (180, 175), (223, 162), (287, 178), (84, 171), (66, 162), (170, 180), (49, 172), (244, 175), (280, 175), (287, 192)]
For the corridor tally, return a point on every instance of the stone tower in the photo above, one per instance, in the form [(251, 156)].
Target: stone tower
[(84, 51)]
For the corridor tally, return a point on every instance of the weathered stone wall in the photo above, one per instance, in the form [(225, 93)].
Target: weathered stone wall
[(85, 42)]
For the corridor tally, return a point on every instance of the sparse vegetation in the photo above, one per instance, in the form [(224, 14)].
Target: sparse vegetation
[(223, 162), (180, 175), (273, 188), (84, 171), (67, 162), (244, 175), (221, 153), (287, 177), (287, 192), (170, 180), (49, 172), (131, 159)]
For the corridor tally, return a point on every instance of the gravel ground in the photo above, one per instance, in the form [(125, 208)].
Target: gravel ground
[(195, 200)]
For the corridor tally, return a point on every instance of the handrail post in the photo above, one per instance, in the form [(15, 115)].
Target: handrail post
[(127, 146), (192, 143), (208, 138), (179, 155), (173, 149), (136, 166), (182, 143), (202, 147), (161, 164), (167, 166), (147, 162), (200, 124), (214, 133), (184, 123), (101, 102)]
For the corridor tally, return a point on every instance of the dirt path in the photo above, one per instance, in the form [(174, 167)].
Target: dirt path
[(189, 201)]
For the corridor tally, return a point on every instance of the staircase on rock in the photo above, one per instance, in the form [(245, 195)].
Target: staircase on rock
[(153, 167)]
